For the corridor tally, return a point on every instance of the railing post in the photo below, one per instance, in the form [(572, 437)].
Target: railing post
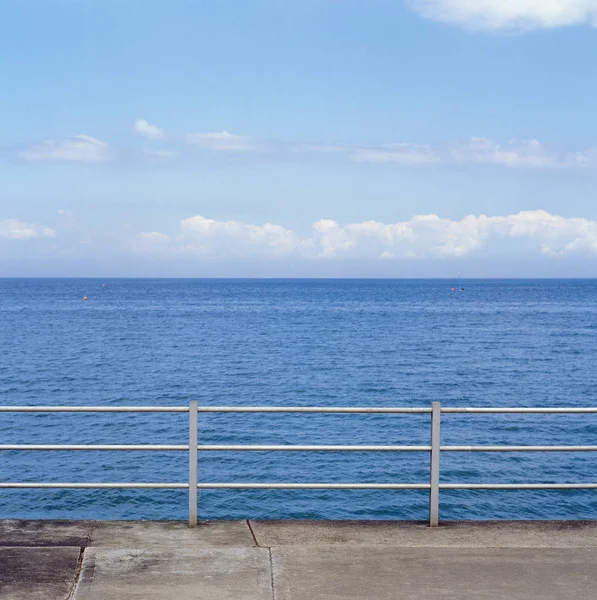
[(434, 465), (193, 442)]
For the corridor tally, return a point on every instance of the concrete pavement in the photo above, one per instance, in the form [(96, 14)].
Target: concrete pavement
[(297, 560), (31, 573)]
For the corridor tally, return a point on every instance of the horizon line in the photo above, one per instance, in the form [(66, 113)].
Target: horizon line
[(315, 278)]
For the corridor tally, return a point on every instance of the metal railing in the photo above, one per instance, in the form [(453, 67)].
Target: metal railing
[(193, 447)]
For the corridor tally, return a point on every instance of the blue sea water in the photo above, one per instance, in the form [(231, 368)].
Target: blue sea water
[(297, 342)]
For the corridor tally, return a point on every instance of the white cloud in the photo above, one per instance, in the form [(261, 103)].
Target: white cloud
[(224, 142), (232, 237), (479, 150), (160, 154), (402, 154), (331, 238), (18, 230), (152, 132), (474, 151), (527, 153), (430, 236), (80, 148), (154, 237), (422, 236), (510, 14), (317, 148), (152, 243)]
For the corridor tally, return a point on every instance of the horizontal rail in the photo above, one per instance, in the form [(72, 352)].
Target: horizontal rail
[(311, 409), (293, 409), (588, 410), (96, 485), (518, 448), (315, 486), (518, 486), (141, 447), (290, 448), (232, 486), (95, 409), (216, 448), (215, 409), (306, 486)]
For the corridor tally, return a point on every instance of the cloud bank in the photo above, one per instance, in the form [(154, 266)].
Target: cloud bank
[(18, 230), (476, 151), (510, 14), (80, 148), (421, 237), (222, 141)]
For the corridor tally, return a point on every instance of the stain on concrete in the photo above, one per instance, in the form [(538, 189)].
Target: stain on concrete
[(16, 532), (175, 574), (29, 573)]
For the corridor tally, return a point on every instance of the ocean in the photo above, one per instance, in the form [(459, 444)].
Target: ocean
[(380, 343)]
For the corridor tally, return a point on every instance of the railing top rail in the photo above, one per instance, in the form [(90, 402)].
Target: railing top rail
[(297, 409), (220, 448), (315, 409), (539, 410), (298, 486), (97, 409), (289, 448), (218, 409), (91, 447)]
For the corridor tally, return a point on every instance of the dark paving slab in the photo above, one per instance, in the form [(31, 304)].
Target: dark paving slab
[(386, 573), (451, 534), (15, 532), (29, 573)]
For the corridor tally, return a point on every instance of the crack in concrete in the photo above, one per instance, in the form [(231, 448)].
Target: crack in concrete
[(93, 528), (253, 533), (77, 576), (79, 567), (271, 571), (271, 560)]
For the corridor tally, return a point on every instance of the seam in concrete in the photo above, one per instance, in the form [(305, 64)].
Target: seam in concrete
[(271, 572), (79, 568), (91, 530), (252, 533)]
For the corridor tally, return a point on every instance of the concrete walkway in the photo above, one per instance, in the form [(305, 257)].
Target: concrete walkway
[(297, 560)]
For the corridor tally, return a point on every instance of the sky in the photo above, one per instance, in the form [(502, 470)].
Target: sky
[(276, 138)]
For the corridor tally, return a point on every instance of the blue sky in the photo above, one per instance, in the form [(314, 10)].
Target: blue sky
[(313, 138)]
